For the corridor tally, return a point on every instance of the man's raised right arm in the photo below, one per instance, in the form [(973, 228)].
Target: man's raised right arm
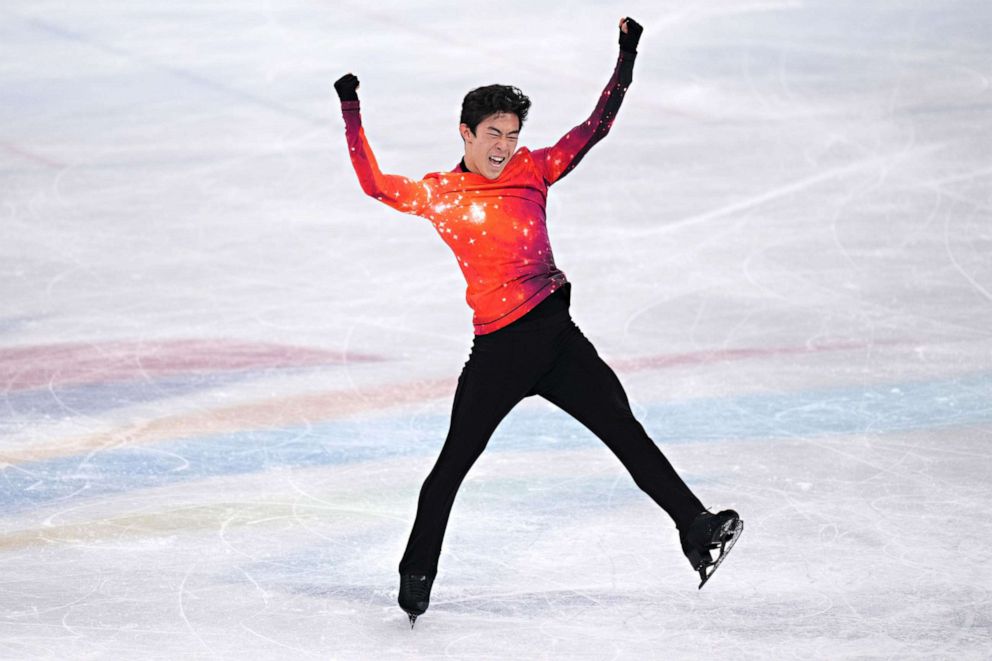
[(399, 192)]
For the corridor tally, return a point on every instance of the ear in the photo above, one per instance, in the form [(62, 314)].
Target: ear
[(466, 132)]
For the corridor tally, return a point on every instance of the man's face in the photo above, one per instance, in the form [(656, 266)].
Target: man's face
[(494, 142)]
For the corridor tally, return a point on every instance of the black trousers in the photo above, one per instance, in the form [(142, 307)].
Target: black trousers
[(542, 353)]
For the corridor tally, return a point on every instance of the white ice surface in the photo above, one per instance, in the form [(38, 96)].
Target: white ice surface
[(224, 371)]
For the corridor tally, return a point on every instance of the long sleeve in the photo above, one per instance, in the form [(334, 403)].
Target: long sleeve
[(557, 161), (399, 192)]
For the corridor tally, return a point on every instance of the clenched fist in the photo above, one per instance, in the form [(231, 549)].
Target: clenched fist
[(630, 34), (347, 87)]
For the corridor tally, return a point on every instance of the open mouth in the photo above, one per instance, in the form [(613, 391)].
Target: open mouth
[(497, 161)]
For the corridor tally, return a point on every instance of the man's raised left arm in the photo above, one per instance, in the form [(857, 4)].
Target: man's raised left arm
[(558, 160)]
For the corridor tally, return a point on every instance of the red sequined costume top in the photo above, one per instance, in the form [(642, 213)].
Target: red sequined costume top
[(495, 227)]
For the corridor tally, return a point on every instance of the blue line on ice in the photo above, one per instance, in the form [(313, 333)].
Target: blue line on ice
[(878, 409)]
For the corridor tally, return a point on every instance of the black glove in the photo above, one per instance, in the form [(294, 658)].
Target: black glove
[(629, 39), (347, 87)]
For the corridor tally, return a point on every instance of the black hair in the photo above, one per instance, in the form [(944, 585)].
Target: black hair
[(491, 99)]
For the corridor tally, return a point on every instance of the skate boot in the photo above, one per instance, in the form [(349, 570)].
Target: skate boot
[(710, 532), (415, 594)]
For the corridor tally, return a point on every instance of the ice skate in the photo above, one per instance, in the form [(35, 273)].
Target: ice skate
[(709, 532), (415, 594)]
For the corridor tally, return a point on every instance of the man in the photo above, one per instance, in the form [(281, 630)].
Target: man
[(490, 210)]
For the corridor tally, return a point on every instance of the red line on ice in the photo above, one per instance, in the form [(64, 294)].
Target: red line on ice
[(59, 365), (723, 355), (30, 155)]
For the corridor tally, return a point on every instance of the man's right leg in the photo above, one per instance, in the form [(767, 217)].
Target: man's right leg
[(488, 389)]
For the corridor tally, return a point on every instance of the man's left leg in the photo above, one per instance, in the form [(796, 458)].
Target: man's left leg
[(586, 388)]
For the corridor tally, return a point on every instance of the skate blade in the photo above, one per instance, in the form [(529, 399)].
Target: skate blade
[(413, 619), (729, 535)]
